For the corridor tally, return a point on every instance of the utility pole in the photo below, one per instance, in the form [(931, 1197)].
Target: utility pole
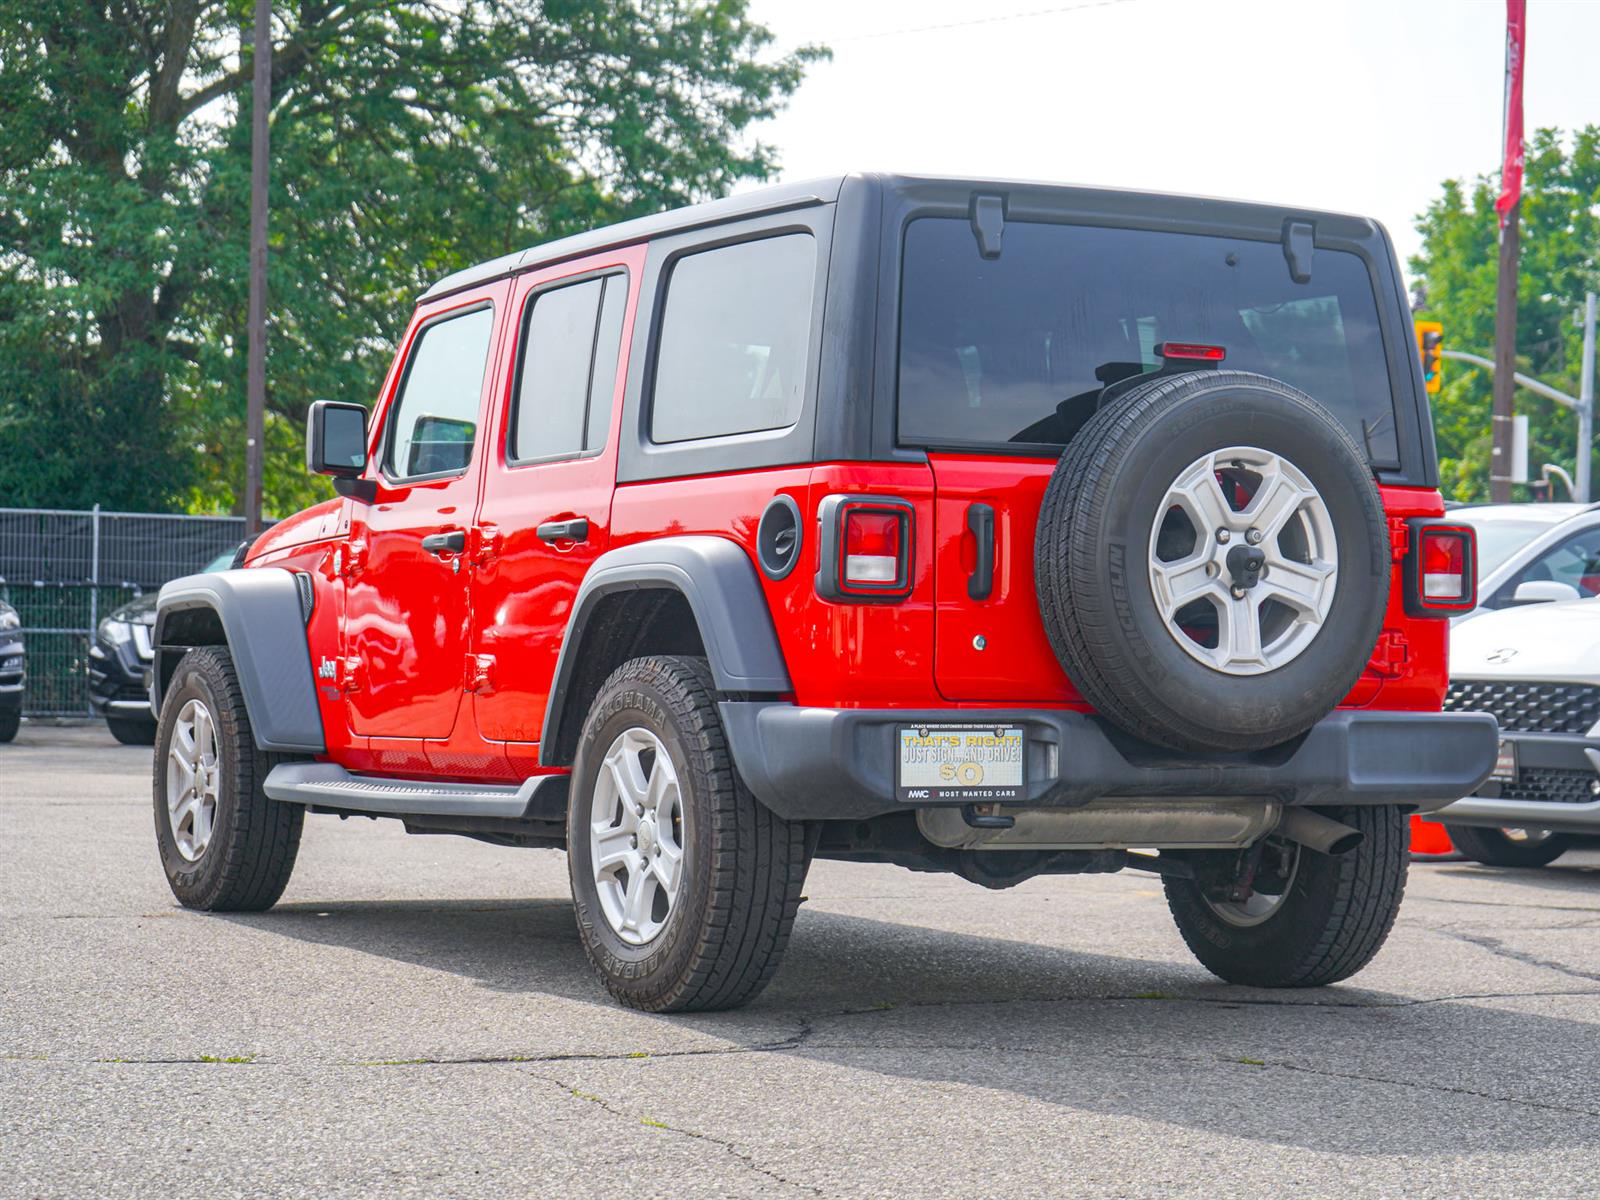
[(1505, 358), (256, 383), (1509, 206), (1586, 400)]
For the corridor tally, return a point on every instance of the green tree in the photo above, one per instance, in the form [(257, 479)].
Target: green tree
[(409, 138), (1459, 263)]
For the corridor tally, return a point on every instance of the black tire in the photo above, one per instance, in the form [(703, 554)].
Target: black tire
[(10, 722), (1333, 918), (1493, 848), (1091, 559), (132, 731), (742, 866), (254, 840)]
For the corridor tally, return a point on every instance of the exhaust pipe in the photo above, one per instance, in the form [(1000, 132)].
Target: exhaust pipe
[(1322, 834)]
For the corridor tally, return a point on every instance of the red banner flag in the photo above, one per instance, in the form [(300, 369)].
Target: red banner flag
[(1511, 165)]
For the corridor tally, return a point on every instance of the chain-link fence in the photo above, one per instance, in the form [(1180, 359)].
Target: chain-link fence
[(65, 570)]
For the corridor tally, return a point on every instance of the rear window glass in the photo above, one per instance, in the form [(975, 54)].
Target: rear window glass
[(1016, 349), (571, 338), (735, 336)]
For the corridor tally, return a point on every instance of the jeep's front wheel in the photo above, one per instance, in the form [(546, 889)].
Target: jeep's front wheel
[(684, 885), (225, 845), (1309, 919)]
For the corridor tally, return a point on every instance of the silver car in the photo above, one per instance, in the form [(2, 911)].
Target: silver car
[(1528, 553)]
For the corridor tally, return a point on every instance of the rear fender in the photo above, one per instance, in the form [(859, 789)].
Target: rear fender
[(717, 580)]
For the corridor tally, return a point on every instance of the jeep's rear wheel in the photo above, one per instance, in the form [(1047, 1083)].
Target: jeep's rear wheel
[(1313, 919), (225, 845), (684, 885), (1212, 561), (1510, 847)]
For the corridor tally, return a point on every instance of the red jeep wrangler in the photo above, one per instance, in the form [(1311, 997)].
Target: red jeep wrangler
[(1002, 529)]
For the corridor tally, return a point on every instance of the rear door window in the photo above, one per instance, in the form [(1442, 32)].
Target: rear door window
[(1014, 351), (571, 338), (436, 415), (735, 337)]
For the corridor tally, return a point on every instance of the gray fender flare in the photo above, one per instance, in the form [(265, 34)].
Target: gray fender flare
[(260, 615), (718, 580)]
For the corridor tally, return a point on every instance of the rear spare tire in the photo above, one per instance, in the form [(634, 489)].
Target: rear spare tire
[(1212, 561)]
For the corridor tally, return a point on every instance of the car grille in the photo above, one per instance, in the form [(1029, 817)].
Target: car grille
[(1550, 785), (1522, 707)]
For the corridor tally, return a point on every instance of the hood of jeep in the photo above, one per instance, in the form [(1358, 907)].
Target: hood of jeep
[(310, 525)]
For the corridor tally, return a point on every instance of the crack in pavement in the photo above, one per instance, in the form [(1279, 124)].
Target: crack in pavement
[(743, 1157), (1225, 1061), (482, 1060), (1500, 950), (1545, 1105), (805, 1034)]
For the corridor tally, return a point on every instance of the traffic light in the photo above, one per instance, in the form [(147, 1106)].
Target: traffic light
[(1430, 336)]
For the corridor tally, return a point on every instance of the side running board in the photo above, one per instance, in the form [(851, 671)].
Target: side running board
[(327, 785)]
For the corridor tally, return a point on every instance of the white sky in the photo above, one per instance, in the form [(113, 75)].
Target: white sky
[(1356, 105)]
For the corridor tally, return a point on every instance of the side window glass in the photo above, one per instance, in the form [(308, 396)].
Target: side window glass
[(607, 348), (735, 334), (1575, 562), (570, 343), (436, 415)]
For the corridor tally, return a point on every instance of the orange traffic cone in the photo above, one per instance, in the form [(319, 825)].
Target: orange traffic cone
[(1429, 837)]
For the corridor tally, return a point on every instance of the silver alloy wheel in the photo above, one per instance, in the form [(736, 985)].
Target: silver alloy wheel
[(1227, 512), (636, 836), (1260, 907), (193, 768)]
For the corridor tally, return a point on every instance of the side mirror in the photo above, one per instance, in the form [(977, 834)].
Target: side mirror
[(1542, 591), (336, 439)]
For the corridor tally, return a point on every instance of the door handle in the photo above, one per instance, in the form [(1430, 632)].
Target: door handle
[(453, 541), (575, 530), (980, 519)]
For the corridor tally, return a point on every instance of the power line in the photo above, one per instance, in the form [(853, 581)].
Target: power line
[(997, 20)]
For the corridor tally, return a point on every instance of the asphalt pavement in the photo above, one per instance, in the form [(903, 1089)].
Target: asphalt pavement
[(416, 1018)]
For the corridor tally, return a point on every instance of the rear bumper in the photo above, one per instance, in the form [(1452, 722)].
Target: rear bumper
[(1550, 765), (839, 764)]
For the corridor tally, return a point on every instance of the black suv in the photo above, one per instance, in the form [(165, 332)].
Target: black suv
[(13, 668), (119, 688)]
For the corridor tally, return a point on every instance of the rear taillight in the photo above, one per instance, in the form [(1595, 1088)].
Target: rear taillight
[(865, 550), (1441, 569), (872, 544)]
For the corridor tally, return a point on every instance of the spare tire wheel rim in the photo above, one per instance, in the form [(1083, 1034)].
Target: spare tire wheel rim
[(1243, 560), (636, 836)]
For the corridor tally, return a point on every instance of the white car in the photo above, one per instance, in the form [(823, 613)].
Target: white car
[(1529, 553), (1536, 667)]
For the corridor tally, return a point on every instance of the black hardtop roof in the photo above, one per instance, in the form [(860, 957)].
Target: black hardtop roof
[(1102, 202)]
